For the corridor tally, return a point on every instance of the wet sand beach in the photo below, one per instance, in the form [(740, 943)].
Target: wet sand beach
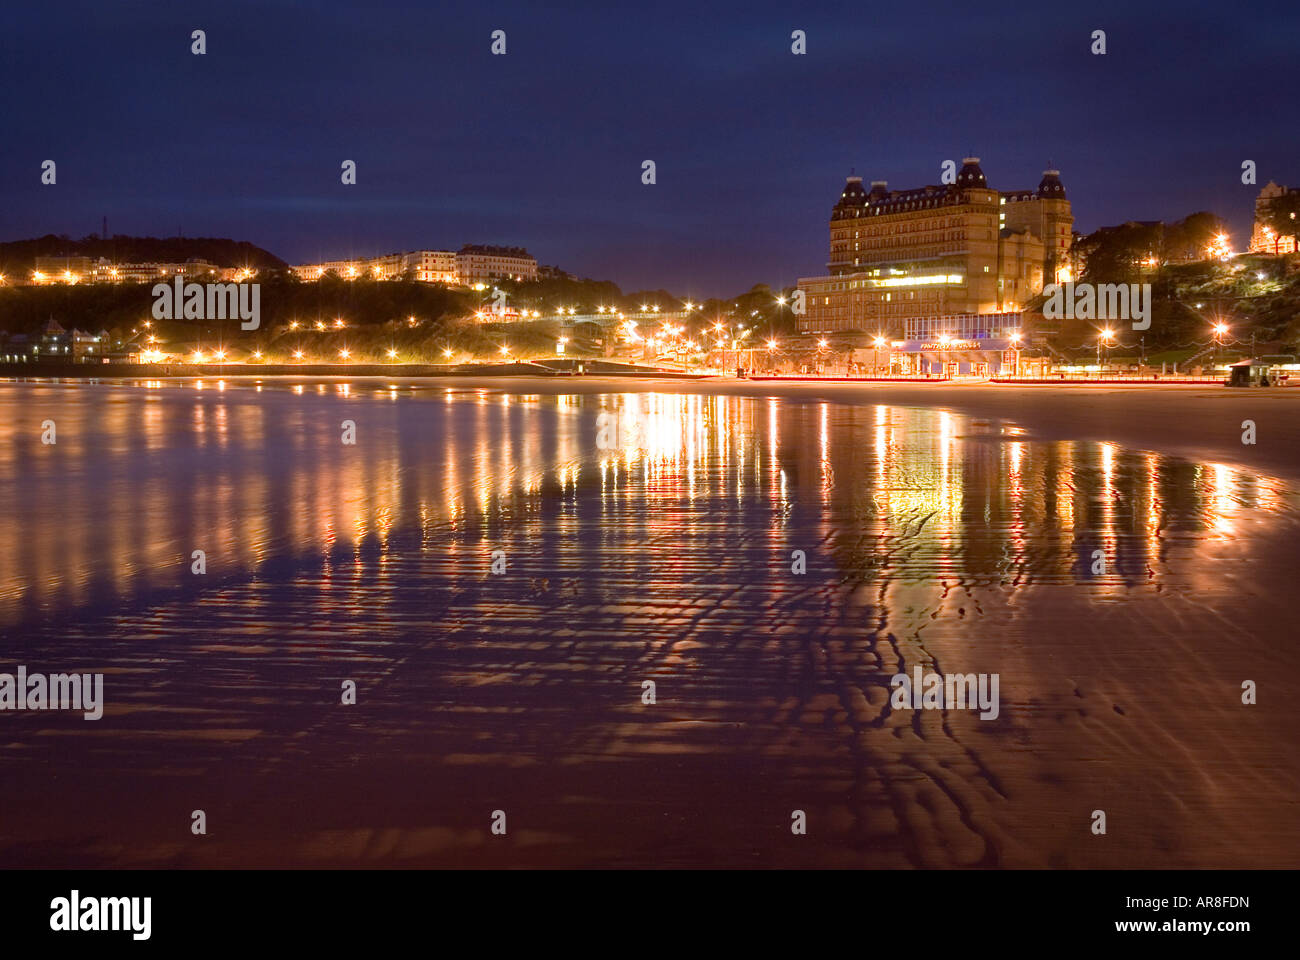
[(948, 527)]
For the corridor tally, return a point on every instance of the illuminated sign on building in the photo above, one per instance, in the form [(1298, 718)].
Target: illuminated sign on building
[(937, 346)]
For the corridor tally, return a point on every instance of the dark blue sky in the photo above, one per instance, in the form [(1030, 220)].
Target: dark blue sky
[(543, 147)]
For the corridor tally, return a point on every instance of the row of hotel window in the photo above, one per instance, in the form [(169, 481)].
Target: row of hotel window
[(906, 241), (933, 294), (917, 226), (1027, 270)]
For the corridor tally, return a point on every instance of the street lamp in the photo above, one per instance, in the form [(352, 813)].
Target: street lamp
[(1103, 340), (1016, 337), (876, 344), (1220, 330)]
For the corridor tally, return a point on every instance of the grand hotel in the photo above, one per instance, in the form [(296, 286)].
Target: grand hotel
[(904, 259)]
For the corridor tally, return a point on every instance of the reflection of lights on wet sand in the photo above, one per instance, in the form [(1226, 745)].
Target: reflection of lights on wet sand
[(451, 473), (1107, 532), (824, 445), (482, 450), (1223, 505), (1151, 535), (773, 436), (1065, 489), (692, 443), (1108, 461), (1268, 496), (881, 440), (1153, 492), (948, 492), (1017, 452), (1016, 455), (923, 469)]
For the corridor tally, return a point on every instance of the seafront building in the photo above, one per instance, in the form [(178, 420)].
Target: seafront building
[(472, 264), (71, 270), (430, 266), (935, 250), (477, 263), (971, 344), (902, 258)]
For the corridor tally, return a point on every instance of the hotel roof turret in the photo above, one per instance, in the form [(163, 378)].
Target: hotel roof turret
[(970, 174), (1050, 186)]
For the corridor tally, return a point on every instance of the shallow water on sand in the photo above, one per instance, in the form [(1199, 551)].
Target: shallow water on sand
[(646, 537)]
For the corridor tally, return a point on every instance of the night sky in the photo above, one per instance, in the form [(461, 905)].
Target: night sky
[(543, 147)]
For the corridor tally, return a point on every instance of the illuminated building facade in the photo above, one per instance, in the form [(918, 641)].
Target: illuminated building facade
[(49, 270), (1263, 239), (477, 263), (971, 344), (106, 272), (471, 264), (62, 269), (962, 248), (433, 266)]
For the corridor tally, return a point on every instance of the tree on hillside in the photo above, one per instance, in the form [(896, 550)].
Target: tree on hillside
[(17, 256), (1188, 238), (547, 293), (1115, 254)]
